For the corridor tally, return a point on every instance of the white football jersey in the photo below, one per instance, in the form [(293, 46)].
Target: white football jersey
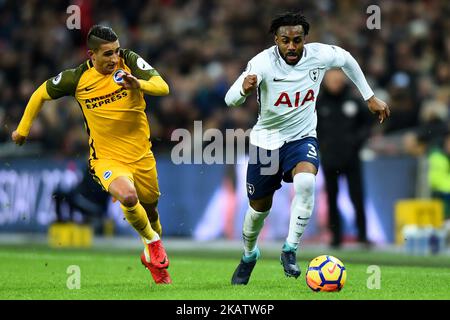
[(287, 94)]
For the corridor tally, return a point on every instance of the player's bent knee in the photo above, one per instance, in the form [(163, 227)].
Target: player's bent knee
[(260, 206), (130, 199), (263, 204)]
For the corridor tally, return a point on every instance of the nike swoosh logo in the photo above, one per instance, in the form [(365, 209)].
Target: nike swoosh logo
[(331, 270), (89, 89), (164, 261), (276, 80)]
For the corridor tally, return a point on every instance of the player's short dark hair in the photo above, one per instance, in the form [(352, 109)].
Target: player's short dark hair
[(289, 19), (98, 35)]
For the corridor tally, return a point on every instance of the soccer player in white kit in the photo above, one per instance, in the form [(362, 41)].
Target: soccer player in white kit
[(287, 79)]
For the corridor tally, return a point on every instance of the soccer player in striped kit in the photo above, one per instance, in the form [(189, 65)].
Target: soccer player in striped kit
[(287, 79)]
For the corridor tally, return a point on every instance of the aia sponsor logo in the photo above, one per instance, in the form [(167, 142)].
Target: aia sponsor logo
[(314, 74), (297, 99)]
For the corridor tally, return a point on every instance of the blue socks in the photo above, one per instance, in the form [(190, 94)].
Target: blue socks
[(254, 255), (288, 247)]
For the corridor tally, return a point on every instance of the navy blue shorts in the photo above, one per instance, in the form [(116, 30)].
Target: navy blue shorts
[(261, 184)]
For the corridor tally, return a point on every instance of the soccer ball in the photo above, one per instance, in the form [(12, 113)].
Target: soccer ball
[(326, 273)]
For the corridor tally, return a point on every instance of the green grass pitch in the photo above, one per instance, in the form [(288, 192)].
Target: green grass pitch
[(42, 273)]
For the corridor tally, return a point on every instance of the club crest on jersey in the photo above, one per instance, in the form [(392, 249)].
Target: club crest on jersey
[(250, 188), (107, 174), (314, 74), (118, 76)]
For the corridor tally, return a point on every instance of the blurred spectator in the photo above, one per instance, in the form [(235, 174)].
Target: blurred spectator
[(439, 173), (404, 105), (344, 123), (434, 117)]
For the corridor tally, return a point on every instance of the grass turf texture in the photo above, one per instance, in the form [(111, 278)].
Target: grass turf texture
[(41, 273)]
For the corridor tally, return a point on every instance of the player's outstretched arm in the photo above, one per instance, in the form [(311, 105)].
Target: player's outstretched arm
[(376, 105), (155, 86), (343, 59), (31, 111)]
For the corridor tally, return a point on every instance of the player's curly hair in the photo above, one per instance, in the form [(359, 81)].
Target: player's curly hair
[(99, 34), (289, 19)]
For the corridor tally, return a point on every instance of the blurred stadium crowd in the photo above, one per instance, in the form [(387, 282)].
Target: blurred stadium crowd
[(200, 47)]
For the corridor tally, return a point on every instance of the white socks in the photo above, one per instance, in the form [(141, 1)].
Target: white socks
[(155, 238), (301, 207), (253, 223), (301, 210), (146, 242)]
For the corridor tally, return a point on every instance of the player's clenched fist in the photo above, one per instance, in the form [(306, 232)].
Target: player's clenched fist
[(250, 83), (17, 138)]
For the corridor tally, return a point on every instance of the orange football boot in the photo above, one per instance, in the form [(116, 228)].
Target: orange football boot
[(160, 276)]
